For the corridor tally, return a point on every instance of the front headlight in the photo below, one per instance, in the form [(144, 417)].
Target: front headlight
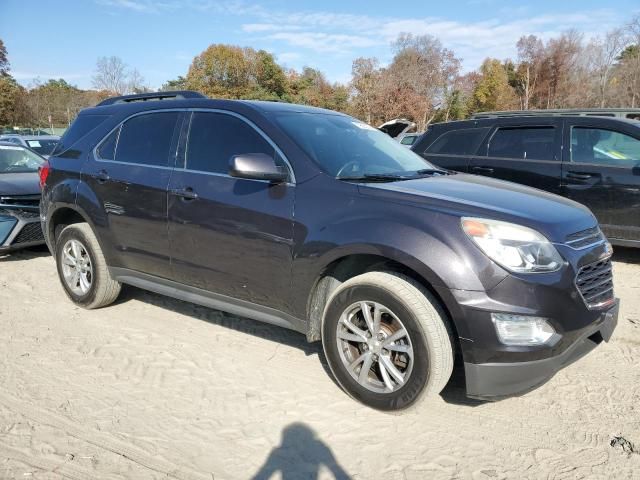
[(518, 249)]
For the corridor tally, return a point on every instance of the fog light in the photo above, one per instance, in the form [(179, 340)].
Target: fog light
[(522, 330), (6, 225)]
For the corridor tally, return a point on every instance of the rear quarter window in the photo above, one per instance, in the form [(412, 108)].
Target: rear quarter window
[(458, 142)]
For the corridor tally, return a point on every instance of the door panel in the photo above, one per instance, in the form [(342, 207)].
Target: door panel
[(235, 238), (529, 155), (602, 171), (131, 185), (230, 235)]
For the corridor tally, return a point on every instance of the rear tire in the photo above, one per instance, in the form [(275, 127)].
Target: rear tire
[(82, 268), (409, 355)]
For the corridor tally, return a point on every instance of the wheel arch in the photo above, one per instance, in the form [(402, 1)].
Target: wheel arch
[(350, 265)]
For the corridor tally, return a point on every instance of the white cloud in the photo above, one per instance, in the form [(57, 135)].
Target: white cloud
[(325, 42)]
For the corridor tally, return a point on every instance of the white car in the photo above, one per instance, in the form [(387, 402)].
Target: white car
[(41, 144)]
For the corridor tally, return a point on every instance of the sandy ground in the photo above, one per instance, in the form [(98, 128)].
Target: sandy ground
[(154, 388)]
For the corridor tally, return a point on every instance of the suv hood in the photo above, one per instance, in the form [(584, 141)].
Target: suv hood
[(19, 184), (472, 195)]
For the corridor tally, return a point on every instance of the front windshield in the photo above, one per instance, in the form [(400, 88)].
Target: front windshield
[(18, 160), (345, 147), (43, 147)]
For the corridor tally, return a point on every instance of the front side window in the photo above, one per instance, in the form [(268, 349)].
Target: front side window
[(527, 143), (458, 142), (147, 139), (343, 146), (606, 147), (216, 137), (18, 160)]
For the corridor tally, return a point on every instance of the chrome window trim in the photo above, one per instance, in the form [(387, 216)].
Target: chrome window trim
[(292, 178)]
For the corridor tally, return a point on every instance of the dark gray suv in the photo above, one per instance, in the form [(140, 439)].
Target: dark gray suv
[(315, 221)]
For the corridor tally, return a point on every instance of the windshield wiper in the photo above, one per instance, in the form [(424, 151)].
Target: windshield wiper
[(376, 177), (431, 171)]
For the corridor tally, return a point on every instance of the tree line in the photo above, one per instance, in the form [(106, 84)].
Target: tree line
[(424, 81)]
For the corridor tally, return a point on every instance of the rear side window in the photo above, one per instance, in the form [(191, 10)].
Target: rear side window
[(604, 147), (78, 129), (458, 142), (530, 143), (216, 137), (147, 139)]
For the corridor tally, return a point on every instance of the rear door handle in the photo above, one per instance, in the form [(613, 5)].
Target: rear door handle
[(186, 193), (482, 169), (103, 176), (579, 176)]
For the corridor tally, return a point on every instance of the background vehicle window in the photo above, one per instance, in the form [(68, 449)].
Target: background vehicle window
[(107, 149), (606, 147), (409, 140), (458, 142), (78, 129), (531, 143), (43, 147), (216, 137), (147, 139), (18, 160)]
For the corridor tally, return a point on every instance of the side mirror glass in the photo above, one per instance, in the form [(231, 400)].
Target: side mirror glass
[(257, 166)]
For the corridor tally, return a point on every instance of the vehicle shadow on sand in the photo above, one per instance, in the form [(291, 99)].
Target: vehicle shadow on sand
[(453, 393), (25, 254), (626, 255), (299, 456)]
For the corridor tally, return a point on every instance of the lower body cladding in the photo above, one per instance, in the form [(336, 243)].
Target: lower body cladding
[(518, 336), (19, 228)]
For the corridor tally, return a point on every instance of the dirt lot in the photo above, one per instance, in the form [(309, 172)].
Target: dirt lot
[(158, 388)]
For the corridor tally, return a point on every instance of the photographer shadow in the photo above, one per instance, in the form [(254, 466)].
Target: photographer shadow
[(299, 456)]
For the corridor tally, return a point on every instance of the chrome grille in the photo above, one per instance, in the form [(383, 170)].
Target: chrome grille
[(20, 201), (585, 238), (595, 284)]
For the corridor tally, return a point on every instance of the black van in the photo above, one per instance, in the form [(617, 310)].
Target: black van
[(590, 159)]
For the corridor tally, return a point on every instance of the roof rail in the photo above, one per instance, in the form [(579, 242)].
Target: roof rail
[(144, 97)]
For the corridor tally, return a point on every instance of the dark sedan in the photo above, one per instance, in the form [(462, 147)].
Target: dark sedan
[(19, 197)]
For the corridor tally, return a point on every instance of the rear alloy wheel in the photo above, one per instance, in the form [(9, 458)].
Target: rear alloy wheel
[(77, 270), (387, 341), (82, 268)]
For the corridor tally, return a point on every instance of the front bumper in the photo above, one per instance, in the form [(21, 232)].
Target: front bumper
[(492, 381), (19, 228)]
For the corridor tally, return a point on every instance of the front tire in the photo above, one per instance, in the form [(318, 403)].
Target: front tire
[(82, 268), (387, 341)]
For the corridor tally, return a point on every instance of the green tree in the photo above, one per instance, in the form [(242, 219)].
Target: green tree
[(4, 60), (493, 92)]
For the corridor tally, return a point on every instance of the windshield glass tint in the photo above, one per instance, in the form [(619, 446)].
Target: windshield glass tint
[(343, 146), (43, 147), (18, 160)]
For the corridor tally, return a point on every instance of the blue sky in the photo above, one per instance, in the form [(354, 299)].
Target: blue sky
[(63, 38)]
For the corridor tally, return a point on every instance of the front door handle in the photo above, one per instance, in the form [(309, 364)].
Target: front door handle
[(482, 169), (186, 193), (579, 176), (103, 176)]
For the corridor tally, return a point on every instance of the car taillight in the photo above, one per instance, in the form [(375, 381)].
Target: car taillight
[(43, 172)]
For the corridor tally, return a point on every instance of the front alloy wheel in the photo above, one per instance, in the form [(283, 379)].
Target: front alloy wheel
[(374, 346)]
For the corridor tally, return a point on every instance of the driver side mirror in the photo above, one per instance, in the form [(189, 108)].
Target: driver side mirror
[(257, 166)]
